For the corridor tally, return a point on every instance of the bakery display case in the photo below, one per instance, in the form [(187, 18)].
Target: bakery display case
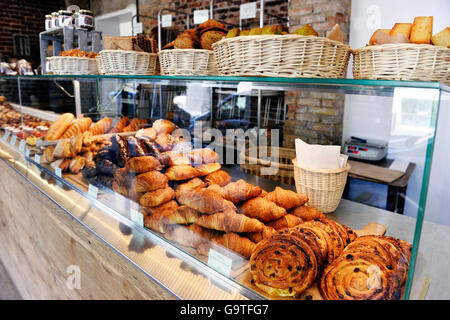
[(194, 180)]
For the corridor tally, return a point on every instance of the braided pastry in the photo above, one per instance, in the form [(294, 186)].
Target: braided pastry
[(283, 265)]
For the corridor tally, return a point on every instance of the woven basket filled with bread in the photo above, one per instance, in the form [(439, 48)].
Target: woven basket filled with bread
[(73, 61), (408, 51), (272, 52), (191, 52)]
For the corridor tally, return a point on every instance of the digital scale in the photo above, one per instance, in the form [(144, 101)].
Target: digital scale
[(364, 149)]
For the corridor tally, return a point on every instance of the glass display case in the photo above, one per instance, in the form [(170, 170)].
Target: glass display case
[(211, 204)]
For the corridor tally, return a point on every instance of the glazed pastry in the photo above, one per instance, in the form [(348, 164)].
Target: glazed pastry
[(165, 141), (143, 164), (307, 213), (287, 221), (78, 126), (77, 164), (220, 178), (147, 132), (101, 127), (182, 172), (163, 126), (360, 274), (240, 191), (262, 209), (205, 155), (286, 198), (283, 265), (120, 125), (176, 159), (201, 199), (229, 221), (150, 181), (157, 197), (207, 168), (57, 129), (258, 236)]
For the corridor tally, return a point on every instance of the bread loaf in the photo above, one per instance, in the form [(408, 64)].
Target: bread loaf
[(58, 127), (101, 127)]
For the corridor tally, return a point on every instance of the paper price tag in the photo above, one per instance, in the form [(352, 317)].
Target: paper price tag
[(58, 172), (201, 16), (37, 158), (22, 145), (6, 136), (93, 191), (137, 28), (244, 88), (166, 20), (219, 262), (247, 10), (137, 217), (13, 140)]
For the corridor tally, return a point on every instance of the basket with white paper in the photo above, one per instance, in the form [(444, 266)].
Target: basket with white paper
[(324, 181)]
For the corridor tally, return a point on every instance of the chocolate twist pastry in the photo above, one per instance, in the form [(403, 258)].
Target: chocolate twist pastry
[(359, 276), (283, 265)]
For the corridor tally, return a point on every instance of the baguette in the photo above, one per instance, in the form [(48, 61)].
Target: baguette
[(58, 127), (101, 127), (78, 126)]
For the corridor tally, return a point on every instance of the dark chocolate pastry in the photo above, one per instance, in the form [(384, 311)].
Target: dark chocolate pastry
[(106, 167), (124, 153), (134, 147), (89, 171), (102, 180)]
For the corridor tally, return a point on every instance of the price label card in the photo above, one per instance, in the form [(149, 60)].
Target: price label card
[(93, 191), (6, 135), (219, 262), (22, 145), (37, 158), (137, 28), (201, 16), (58, 172), (244, 88), (13, 140), (247, 10), (137, 217), (166, 20)]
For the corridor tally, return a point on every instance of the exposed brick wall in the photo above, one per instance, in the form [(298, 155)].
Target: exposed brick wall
[(316, 117), (24, 17)]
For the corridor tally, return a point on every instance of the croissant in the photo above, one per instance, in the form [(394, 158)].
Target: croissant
[(283, 265), (229, 221), (240, 191), (164, 209), (181, 215), (236, 243), (143, 164), (120, 125), (155, 222), (262, 209), (307, 213), (57, 128), (150, 181), (258, 236), (202, 199), (220, 177), (286, 198), (78, 126), (191, 236), (102, 126), (182, 172), (207, 168), (135, 124), (175, 158), (166, 141), (204, 155), (157, 197), (287, 221)]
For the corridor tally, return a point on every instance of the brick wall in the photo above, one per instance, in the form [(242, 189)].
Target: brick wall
[(316, 117), (24, 17)]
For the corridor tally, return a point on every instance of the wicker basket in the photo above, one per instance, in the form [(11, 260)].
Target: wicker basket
[(100, 68), (129, 62), (71, 65), (281, 56), (406, 61), (187, 62), (253, 165), (324, 187)]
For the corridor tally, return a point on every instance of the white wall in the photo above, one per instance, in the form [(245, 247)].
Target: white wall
[(374, 117), (117, 23)]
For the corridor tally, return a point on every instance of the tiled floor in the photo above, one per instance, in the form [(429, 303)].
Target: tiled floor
[(7, 289)]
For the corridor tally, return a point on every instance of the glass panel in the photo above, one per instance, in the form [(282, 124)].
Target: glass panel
[(387, 128)]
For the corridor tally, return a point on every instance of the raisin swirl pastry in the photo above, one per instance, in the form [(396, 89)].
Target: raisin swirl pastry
[(359, 276), (283, 265)]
